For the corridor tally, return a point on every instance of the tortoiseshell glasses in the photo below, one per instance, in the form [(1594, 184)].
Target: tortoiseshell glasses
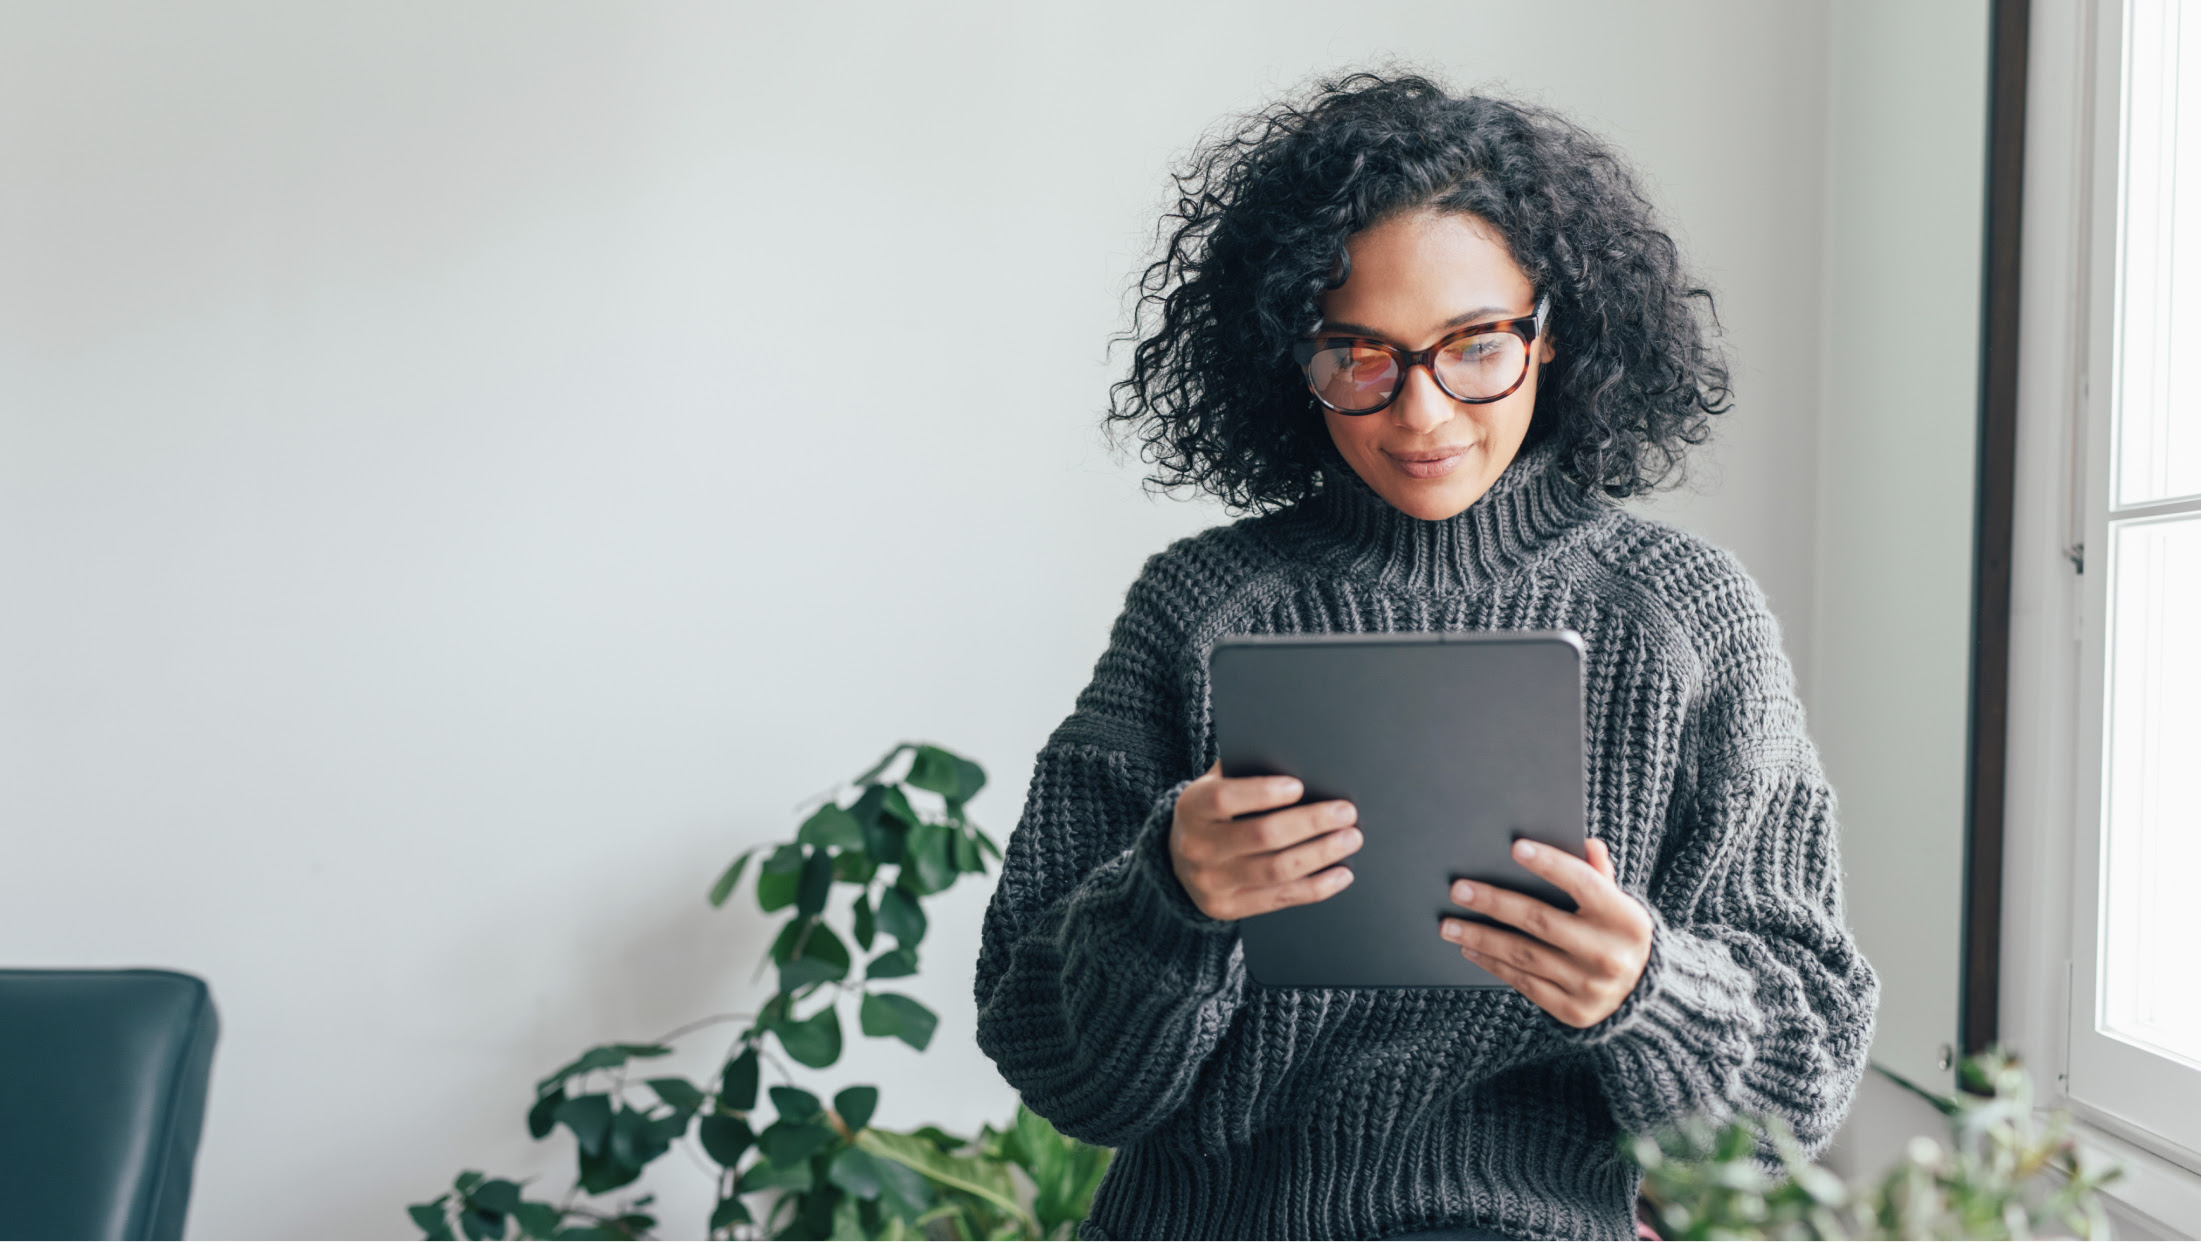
[(1481, 362)]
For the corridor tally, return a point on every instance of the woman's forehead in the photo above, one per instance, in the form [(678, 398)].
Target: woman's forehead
[(1420, 271)]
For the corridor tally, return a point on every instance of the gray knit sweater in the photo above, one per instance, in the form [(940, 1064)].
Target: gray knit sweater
[(1124, 1015)]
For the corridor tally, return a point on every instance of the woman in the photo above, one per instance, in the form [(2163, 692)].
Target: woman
[(1425, 339)]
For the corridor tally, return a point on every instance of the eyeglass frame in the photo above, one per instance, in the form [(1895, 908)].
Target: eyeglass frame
[(1527, 327)]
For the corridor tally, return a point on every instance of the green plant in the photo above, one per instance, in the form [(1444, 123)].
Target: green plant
[(2004, 1174), (896, 835)]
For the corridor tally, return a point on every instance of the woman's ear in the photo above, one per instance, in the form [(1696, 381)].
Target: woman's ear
[(1544, 351)]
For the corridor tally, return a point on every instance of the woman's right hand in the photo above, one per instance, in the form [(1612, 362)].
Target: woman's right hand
[(1235, 867)]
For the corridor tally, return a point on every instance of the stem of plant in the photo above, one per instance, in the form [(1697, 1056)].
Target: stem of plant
[(716, 1019)]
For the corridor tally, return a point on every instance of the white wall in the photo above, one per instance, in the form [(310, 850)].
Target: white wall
[(1897, 435), (460, 480)]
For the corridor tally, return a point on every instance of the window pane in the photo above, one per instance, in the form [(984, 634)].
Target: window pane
[(2159, 406), (2151, 916)]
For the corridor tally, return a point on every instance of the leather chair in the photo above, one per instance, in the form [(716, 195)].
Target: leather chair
[(103, 1077)]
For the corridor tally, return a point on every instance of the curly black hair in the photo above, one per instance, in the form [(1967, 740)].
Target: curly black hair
[(1259, 230)]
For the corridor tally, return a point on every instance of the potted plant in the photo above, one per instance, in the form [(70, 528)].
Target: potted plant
[(897, 835)]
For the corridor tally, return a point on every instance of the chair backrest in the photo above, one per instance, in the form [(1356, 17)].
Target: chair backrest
[(103, 1077)]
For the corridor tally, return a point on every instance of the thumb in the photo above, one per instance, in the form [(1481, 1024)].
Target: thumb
[(1602, 859)]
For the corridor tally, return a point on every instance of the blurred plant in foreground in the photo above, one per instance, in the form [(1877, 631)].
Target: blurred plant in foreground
[(2005, 1173)]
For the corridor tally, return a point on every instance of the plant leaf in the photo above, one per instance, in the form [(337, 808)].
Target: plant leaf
[(544, 1116), (634, 1140), (430, 1218), (1064, 1172), (537, 1220), (856, 1171), (498, 1195), (854, 867), (823, 955), (988, 1180), (480, 1223), (887, 1013), (867, 928), (729, 1212), (779, 879), (830, 827), (855, 1106), (723, 887), (601, 1173), (946, 773), (785, 1142), (966, 854), (904, 1192), (796, 1104), (777, 891), (737, 1083), (814, 1041), (892, 964), (901, 917), (940, 1138), (603, 1056), (894, 805), (725, 1139), (934, 769), (886, 818), (928, 858), (986, 843), (816, 884), (681, 1094), (764, 1175), (589, 1117)]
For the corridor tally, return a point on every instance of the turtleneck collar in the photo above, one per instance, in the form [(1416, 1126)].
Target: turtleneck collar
[(1350, 528)]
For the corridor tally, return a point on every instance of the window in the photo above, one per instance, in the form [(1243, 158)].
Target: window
[(2135, 1039)]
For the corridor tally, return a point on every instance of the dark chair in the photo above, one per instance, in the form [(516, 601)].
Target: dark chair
[(103, 1078)]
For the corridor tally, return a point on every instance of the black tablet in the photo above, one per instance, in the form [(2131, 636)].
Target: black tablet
[(1452, 746)]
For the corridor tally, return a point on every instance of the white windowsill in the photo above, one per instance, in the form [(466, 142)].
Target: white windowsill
[(2164, 1192)]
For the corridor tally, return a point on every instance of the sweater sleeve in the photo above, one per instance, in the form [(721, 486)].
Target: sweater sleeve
[(1101, 988), (1755, 998)]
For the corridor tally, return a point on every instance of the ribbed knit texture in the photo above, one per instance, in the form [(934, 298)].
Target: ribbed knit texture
[(1125, 1017)]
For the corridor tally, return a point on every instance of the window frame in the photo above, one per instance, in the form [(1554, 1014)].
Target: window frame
[(2052, 872), (2111, 1079)]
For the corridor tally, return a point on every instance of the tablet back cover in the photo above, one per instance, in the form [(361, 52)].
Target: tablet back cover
[(1451, 745)]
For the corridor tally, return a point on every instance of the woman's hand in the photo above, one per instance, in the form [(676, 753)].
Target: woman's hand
[(1234, 868), (1576, 967)]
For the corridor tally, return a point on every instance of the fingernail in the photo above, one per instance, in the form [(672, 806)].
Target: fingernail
[(1286, 787), (1463, 893), (1451, 930), (1342, 812), (1352, 838), (1473, 954), (1525, 849)]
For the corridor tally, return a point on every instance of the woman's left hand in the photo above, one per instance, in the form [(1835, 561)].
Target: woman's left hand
[(1576, 967)]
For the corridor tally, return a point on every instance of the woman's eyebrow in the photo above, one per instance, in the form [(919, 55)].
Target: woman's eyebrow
[(1460, 320)]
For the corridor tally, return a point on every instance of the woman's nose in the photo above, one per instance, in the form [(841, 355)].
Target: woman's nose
[(1422, 406)]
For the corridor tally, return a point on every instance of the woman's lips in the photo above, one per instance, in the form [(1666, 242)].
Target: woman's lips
[(1429, 463)]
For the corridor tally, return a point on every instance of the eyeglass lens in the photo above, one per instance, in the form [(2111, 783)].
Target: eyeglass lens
[(1354, 377)]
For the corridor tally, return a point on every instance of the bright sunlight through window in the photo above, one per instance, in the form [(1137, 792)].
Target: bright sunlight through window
[(2151, 922)]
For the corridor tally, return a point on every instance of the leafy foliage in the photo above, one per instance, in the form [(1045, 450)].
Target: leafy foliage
[(896, 835), (2005, 1174)]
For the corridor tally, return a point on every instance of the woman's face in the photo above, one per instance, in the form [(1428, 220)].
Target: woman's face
[(1416, 277)]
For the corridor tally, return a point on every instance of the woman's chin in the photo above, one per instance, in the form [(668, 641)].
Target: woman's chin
[(1436, 500)]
